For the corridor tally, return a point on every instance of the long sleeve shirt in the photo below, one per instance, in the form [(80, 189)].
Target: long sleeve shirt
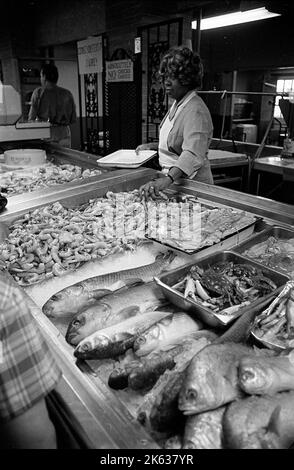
[(28, 371)]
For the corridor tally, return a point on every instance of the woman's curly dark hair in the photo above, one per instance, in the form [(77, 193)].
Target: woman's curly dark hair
[(183, 64)]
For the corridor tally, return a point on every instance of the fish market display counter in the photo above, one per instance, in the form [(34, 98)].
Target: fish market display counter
[(62, 166), (102, 416)]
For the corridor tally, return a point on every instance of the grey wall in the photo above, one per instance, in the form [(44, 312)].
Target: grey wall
[(65, 21)]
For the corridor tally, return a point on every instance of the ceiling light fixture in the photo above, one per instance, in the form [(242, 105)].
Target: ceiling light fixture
[(234, 18)]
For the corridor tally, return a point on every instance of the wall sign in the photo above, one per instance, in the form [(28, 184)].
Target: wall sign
[(119, 71), (90, 55), (138, 45)]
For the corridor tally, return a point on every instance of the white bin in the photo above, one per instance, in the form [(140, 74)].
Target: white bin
[(247, 132)]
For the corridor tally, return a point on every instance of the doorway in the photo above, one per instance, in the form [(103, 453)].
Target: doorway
[(156, 39)]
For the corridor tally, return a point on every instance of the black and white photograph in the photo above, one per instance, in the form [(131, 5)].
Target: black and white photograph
[(146, 229)]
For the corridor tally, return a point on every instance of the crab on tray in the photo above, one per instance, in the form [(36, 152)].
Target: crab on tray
[(220, 287), (274, 326)]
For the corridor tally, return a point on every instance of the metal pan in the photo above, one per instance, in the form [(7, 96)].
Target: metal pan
[(269, 344), (237, 236), (166, 280), (274, 231)]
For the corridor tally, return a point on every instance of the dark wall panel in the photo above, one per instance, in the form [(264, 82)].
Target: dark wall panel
[(259, 45)]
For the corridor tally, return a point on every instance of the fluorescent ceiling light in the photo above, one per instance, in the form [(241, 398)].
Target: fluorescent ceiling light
[(234, 18)]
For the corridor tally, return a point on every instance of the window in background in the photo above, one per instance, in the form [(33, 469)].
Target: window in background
[(283, 86)]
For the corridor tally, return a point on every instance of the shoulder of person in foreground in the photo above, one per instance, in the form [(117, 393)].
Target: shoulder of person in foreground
[(28, 372)]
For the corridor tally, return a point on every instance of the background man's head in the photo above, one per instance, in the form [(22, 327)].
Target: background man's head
[(49, 73)]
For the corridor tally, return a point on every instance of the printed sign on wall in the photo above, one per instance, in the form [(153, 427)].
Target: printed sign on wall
[(119, 71), (90, 55)]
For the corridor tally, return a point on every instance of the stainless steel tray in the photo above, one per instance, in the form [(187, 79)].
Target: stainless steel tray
[(276, 340), (274, 231), (165, 281), (237, 237), (124, 158), (269, 344)]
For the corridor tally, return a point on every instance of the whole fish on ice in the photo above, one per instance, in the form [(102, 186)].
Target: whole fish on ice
[(115, 340), (267, 375), (114, 308), (79, 296), (166, 334), (204, 430), (143, 373), (164, 415), (260, 422), (159, 409), (212, 378)]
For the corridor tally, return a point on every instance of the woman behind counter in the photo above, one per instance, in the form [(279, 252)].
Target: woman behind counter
[(186, 130)]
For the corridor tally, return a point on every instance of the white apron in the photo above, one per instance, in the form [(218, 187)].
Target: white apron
[(168, 159)]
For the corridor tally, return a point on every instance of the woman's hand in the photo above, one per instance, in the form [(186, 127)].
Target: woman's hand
[(148, 146), (154, 188)]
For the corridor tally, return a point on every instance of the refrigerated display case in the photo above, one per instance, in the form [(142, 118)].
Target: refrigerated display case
[(101, 417)]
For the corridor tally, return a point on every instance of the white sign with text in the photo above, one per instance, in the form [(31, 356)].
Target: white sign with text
[(119, 71), (90, 55)]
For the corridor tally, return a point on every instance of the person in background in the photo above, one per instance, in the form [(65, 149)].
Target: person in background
[(28, 372), (186, 130), (54, 104)]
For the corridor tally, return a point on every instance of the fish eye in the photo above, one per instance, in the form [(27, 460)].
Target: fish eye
[(192, 394), (55, 297), (78, 290), (247, 375), (140, 340), (86, 347), (76, 323)]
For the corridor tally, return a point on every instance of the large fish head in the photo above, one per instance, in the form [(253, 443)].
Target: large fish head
[(93, 349), (254, 376), (66, 302), (147, 342), (83, 323), (102, 346), (202, 393)]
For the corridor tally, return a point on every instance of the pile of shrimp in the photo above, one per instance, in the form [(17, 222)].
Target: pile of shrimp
[(21, 181), (53, 239)]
